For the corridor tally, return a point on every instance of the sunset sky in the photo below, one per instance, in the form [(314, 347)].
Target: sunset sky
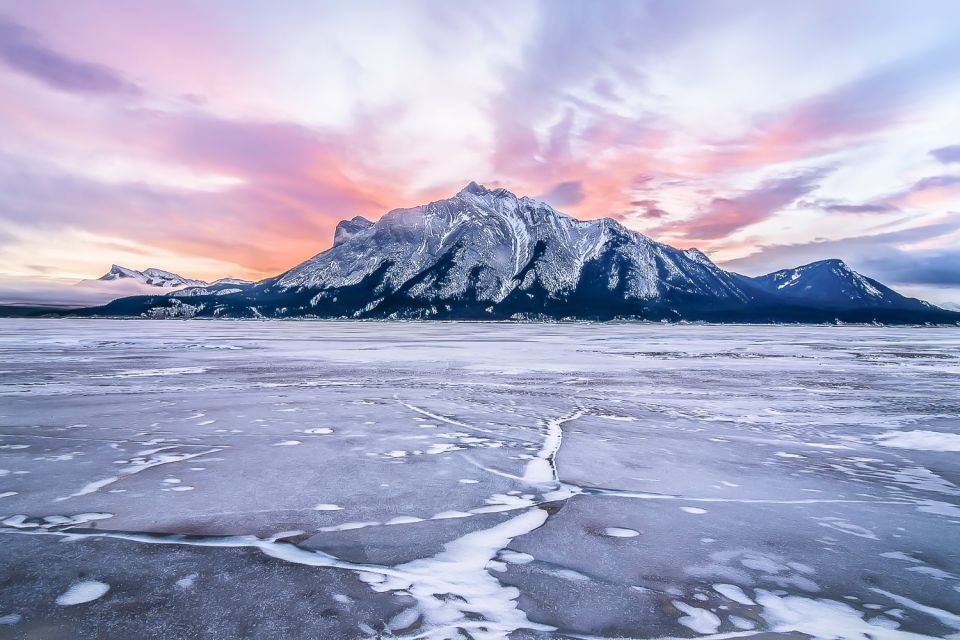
[(228, 138)]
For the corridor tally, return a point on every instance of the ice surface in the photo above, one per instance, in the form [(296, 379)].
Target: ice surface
[(479, 480)]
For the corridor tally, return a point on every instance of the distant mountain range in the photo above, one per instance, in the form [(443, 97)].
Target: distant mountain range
[(163, 279), (486, 254)]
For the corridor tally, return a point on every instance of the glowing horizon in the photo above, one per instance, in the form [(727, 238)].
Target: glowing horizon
[(220, 139)]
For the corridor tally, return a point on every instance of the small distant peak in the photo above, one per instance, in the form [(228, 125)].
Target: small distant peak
[(474, 189), (120, 270), (833, 263), (116, 271), (697, 256)]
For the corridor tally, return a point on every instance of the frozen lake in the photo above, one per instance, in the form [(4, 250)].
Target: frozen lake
[(288, 480)]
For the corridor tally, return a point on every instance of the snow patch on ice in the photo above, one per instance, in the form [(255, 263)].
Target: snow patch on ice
[(187, 582), (827, 619), (921, 440), (697, 619), (694, 510), (81, 592), (733, 592)]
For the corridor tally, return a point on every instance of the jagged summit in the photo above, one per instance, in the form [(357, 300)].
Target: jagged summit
[(349, 228), (473, 189)]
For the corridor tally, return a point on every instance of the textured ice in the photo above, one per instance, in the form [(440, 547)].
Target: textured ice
[(574, 480)]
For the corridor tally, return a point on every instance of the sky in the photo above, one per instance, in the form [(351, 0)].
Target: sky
[(228, 137)]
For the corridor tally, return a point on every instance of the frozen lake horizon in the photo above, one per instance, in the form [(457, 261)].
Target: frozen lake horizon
[(337, 479)]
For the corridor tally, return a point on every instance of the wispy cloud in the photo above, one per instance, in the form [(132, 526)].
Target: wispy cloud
[(724, 216), (24, 51)]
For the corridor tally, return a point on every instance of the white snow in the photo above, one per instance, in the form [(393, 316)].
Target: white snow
[(733, 592), (823, 619), (620, 532), (187, 582), (696, 619), (81, 592), (921, 440), (693, 510)]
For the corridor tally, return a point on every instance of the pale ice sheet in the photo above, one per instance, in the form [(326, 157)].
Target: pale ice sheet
[(557, 480)]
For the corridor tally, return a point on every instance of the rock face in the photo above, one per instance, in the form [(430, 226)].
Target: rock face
[(346, 229), (488, 254)]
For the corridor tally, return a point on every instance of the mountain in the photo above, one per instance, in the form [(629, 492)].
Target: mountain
[(488, 254), (831, 283), (164, 279), (153, 277), (118, 282)]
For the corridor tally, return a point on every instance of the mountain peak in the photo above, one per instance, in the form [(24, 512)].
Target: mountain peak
[(474, 189), (830, 262), (116, 272), (346, 229)]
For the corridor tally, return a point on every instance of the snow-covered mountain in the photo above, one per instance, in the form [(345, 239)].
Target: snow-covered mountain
[(488, 254), (118, 282), (832, 283), (487, 248), (184, 287), (153, 277)]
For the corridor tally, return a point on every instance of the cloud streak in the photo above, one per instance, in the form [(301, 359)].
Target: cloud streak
[(22, 50), (725, 216)]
